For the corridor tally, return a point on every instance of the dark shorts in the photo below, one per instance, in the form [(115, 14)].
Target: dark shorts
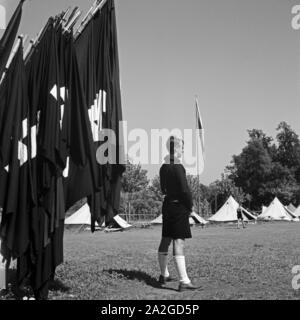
[(176, 222)]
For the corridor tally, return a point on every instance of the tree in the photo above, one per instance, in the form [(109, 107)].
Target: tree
[(200, 194), (221, 190), (144, 202), (134, 178), (288, 151), (251, 169), (281, 183), (155, 189), (264, 170)]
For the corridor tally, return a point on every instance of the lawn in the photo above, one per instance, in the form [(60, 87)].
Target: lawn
[(254, 263)]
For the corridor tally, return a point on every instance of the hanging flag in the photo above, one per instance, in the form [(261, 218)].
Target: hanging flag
[(97, 53), (199, 140), (14, 162), (9, 36), (82, 178), (48, 158)]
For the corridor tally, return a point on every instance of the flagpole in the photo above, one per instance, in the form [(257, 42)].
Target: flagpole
[(2, 264), (38, 38), (15, 49), (197, 162), (64, 17), (82, 24), (74, 21), (93, 10), (31, 42), (76, 13), (12, 54)]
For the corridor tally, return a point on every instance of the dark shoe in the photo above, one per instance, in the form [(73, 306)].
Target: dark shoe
[(187, 286), (163, 280)]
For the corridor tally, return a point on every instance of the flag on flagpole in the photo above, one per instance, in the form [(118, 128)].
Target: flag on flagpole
[(9, 36), (199, 140)]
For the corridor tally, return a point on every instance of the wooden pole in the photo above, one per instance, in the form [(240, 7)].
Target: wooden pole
[(31, 42), (15, 49), (2, 265), (64, 18), (129, 208), (86, 17), (98, 6), (197, 162), (74, 18), (37, 39), (216, 204), (71, 17), (12, 54)]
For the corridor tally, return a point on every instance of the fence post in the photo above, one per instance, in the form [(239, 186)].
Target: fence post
[(129, 209)]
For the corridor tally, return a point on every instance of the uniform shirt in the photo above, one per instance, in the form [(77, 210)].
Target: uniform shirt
[(174, 184)]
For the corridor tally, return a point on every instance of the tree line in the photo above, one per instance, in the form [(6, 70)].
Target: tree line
[(265, 168)]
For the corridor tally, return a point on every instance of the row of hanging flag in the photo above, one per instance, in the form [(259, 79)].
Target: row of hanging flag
[(53, 105)]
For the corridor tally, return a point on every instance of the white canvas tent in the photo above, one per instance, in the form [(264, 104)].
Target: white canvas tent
[(157, 220), (82, 217), (264, 208), (291, 207), (198, 219), (277, 211), (193, 219), (228, 212), (297, 212)]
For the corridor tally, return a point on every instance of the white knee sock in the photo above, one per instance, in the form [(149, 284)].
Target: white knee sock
[(163, 263), (181, 269)]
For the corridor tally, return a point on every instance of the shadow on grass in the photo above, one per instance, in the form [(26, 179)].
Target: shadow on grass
[(57, 285), (140, 276)]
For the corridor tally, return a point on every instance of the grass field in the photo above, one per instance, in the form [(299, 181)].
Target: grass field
[(254, 263)]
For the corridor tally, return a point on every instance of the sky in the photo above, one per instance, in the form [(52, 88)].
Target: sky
[(240, 57)]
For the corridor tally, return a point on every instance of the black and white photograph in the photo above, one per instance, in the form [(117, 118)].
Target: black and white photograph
[(149, 151)]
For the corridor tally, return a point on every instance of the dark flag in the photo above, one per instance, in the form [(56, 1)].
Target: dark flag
[(8, 39), (97, 53), (82, 171), (48, 157), (14, 162), (82, 161), (59, 116)]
